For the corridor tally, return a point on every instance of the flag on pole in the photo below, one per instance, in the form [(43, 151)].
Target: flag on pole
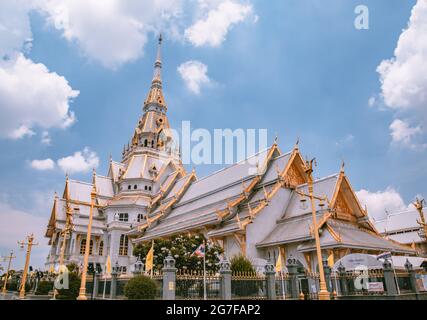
[(108, 265), (200, 251), (385, 255), (331, 261), (149, 259), (279, 266)]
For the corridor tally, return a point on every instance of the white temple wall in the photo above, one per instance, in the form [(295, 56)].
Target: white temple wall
[(231, 247)]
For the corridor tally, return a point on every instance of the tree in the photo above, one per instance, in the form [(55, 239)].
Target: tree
[(181, 248), (141, 288)]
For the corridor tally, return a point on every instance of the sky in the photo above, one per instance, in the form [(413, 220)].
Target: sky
[(74, 75)]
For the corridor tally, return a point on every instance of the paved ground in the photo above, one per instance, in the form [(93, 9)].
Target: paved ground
[(8, 296)]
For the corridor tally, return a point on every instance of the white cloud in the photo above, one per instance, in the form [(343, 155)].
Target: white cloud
[(114, 32), (111, 32), (21, 132), (16, 225), (80, 161), (344, 141), (402, 133), (42, 165), (404, 77), (46, 139), (194, 74), (212, 29), (32, 96), (15, 28), (381, 202)]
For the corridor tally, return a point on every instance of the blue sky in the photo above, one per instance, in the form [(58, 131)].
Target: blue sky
[(298, 68)]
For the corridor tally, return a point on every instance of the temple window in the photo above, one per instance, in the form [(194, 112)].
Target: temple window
[(135, 187), (101, 248), (140, 217), (145, 143), (123, 217), (129, 187), (123, 248), (83, 247)]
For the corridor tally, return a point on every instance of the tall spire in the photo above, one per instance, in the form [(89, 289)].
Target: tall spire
[(155, 100)]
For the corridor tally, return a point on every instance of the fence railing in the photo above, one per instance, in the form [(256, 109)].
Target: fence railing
[(224, 284), (191, 285), (248, 285)]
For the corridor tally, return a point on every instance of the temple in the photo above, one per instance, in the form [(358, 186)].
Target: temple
[(253, 207)]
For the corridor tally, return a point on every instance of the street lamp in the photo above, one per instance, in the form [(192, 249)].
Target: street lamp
[(323, 294), (30, 243), (138, 265), (67, 229), (82, 292), (419, 204), (10, 257)]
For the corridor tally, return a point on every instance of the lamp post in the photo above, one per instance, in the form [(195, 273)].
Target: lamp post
[(82, 292), (323, 294), (138, 266), (66, 231), (10, 257), (419, 204), (30, 243)]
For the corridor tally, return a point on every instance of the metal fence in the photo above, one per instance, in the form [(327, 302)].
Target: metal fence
[(359, 282), (248, 285), (190, 285), (283, 286)]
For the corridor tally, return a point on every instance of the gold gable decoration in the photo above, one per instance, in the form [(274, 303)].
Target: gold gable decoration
[(342, 210), (293, 176)]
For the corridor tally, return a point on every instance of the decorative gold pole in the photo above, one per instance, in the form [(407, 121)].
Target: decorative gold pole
[(323, 294), (67, 228), (419, 204), (10, 257), (29, 245), (82, 293)]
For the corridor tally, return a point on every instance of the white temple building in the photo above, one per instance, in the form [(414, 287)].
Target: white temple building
[(249, 208)]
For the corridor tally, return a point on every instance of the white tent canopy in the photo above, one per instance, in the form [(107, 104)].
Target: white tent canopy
[(358, 260)]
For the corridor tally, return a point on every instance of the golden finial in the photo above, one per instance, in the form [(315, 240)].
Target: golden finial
[(342, 166), (276, 139), (419, 204), (297, 144), (94, 179)]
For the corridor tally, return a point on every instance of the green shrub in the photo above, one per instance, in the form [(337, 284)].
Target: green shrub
[(141, 288), (43, 288), (241, 264), (14, 286), (243, 284)]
